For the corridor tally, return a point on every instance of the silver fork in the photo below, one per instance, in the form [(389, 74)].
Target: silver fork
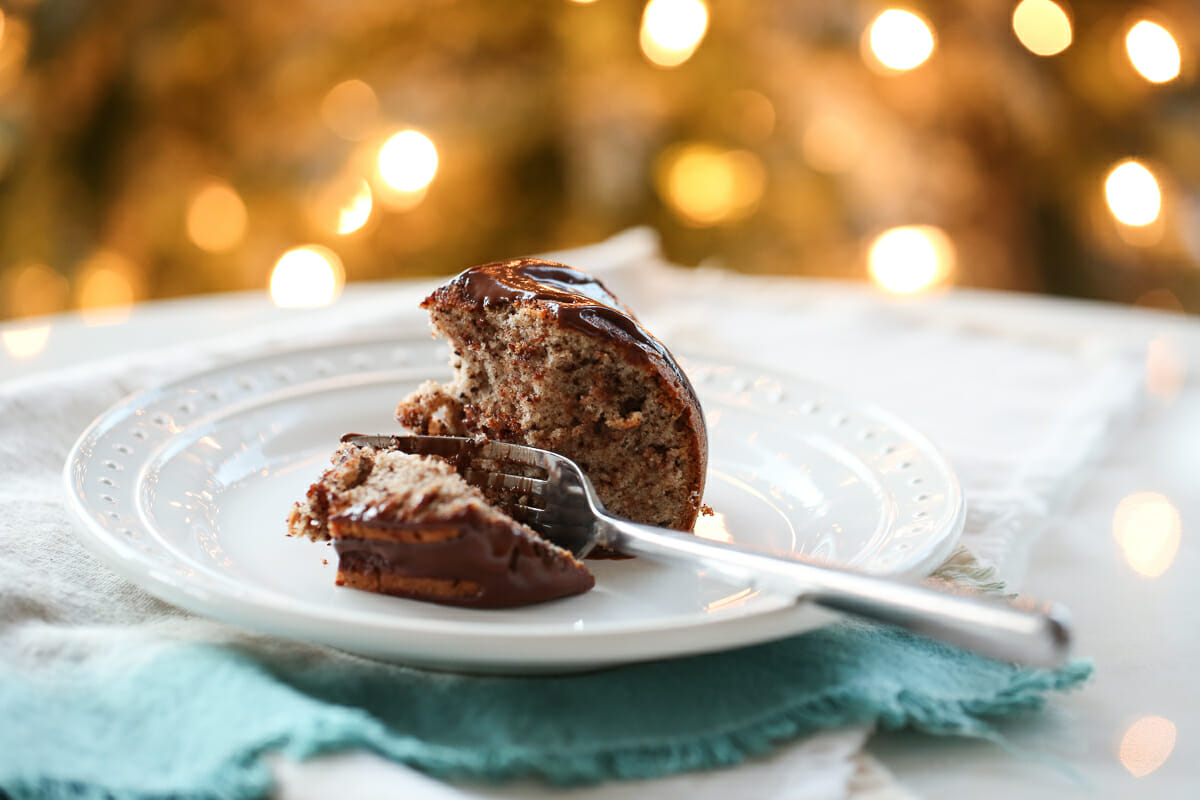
[(551, 494)]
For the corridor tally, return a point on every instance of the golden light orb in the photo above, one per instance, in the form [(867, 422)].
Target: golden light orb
[(1153, 52), (832, 143), (36, 289), (1147, 528), (672, 30), (754, 114), (1042, 26), (16, 43), (106, 288), (342, 205), (900, 40), (25, 342), (1147, 745), (351, 110), (910, 258), (707, 185), (355, 212), (307, 277), (408, 161), (1132, 193), (216, 217)]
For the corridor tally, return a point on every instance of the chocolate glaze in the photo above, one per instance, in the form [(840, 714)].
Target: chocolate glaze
[(578, 300), (510, 567)]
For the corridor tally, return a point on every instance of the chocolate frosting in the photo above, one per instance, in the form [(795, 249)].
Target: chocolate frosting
[(511, 568), (578, 300)]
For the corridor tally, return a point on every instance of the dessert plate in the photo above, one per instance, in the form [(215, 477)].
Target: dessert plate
[(184, 489)]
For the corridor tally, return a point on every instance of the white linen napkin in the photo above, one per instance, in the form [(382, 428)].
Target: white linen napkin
[(1019, 417)]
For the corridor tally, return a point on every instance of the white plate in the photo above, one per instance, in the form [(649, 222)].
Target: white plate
[(184, 490)]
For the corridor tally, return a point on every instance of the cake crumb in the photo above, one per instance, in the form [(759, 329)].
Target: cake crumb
[(706, 510)]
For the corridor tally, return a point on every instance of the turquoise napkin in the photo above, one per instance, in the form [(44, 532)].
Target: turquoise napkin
[(193, 718)]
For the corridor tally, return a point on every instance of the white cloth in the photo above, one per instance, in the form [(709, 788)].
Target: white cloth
[(1019, 417)]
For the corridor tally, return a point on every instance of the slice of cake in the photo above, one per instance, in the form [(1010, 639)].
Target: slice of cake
[(544, 355), (410, 526)]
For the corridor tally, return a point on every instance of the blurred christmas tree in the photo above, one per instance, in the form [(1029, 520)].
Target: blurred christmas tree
[(159, 149)]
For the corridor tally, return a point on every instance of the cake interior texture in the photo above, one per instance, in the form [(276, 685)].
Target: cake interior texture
[(573, 374), (410, 526)]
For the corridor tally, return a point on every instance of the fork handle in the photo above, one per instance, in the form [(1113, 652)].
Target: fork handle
[(991, 628)]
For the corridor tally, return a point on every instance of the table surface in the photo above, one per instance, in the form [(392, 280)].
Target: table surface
[(1136, 727)]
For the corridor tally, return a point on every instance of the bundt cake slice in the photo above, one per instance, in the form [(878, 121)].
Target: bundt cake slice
[(544, 355), (410, 526)]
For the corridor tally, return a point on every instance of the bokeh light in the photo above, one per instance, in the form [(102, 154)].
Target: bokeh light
[(1147, 528), (1132, 193), (219, 150), (355, 212), (36, 289), (1042, 26), (753, 114), (707, 185), (25, 342), (1161, 299), (832, 143), (910, 258), (216, 217), (343, 205), (106, 288), (204, 52), (307, 277), (1153, 52), (351, 110), (408, 161), (672, 30), (1147, 745), (16, 42), (900, 40)]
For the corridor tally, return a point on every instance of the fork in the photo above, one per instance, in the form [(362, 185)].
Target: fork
[(552, 495)]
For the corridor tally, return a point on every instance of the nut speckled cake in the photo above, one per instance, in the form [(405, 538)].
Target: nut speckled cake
[(545, 355), (410, 526)]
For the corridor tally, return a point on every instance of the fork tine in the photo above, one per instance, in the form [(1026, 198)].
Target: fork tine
[(529, 516), (549, 524), (444, 446), (466, 450), (548, 517), (502, 480), (519, 454)]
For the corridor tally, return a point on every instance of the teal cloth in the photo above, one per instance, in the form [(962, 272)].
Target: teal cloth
[(192, 719)]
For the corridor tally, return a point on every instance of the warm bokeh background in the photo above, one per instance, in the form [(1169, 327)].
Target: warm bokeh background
[(156, 149)]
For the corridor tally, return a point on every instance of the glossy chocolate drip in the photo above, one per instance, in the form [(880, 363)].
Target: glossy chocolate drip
[(509, 567), (577, 299)]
